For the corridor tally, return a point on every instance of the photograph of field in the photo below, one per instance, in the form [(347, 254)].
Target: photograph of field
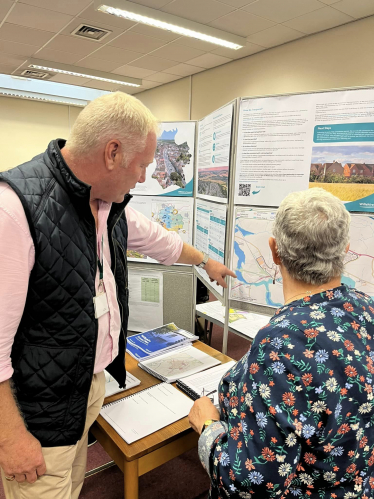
[(213, 181), (347, 171)]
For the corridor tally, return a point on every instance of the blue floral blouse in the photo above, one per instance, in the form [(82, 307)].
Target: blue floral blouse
[(297, 410)]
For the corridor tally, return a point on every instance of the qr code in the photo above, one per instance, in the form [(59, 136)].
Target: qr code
[(244, 189)]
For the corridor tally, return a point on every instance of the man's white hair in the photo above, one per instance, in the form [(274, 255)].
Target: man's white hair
[(311, 230), (112, 116)]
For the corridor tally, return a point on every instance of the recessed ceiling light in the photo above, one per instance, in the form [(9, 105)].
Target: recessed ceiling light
[(152, 17), (84, 73)]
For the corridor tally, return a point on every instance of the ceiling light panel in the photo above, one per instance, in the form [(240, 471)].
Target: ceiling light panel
[(162, 20), (83, 72)]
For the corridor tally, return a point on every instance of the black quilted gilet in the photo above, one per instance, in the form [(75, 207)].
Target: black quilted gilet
[(54, 349)]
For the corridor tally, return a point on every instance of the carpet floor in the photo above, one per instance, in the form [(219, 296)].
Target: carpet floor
[(181, 478)]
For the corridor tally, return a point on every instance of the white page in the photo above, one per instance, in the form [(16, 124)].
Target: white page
[(208, 380), (145, 300), (112, 386), (148, 411)]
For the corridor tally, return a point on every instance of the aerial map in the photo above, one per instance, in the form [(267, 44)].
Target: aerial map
[(172, 171), (257, 278)]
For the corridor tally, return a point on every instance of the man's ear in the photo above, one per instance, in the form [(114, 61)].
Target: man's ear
[(347, 248), (111, 154), (274, 250)]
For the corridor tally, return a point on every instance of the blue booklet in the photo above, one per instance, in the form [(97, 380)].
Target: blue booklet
[(143, 346)]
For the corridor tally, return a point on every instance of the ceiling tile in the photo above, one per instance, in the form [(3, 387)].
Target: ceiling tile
[(237, 3), (196, 10), (183, 70), (11, 59), (5, 5), (92, 62), (135, 41), (176, 52), (154, 4), (17, 48), (73, 45), (155, 63), (133, 71), (100, 18), (21, 34), (355, 8), (318, 20), (5, 69), (329, 2), (164, 77), (34, 17), (72, 7), (274, 36), (70, 80), (79, 20), (116, 54), (208, 61), (249, 49), (282, 11), (155, 32), (128, 90), (242, 23), (196, 44), (57, 56)]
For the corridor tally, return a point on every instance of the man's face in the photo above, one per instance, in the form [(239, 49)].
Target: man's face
[(128, 176)]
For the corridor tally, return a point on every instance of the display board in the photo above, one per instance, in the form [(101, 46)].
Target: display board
[(287, 143), (174, 214), (172, 171), (214, 154)]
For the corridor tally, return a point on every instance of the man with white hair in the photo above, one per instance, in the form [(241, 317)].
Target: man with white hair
[(64, 231)]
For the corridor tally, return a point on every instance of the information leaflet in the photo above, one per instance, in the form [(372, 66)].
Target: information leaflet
[(288, 143), (213, 159), (210, 234)]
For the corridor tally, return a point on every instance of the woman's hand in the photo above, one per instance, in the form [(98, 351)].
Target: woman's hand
[(202, 410)]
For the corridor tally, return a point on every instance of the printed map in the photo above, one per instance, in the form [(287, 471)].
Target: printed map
[(255, 270), (175, 366), (175, 216)]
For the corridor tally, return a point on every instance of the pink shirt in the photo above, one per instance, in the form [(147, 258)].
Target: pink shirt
[(17, 257)]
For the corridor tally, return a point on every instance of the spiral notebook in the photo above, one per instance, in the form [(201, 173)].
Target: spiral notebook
[(207, 380), (137, 416)]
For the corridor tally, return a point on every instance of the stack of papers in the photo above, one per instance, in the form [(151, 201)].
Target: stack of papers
[(178, 364), (244, 322), (158, 341), (205, 383)]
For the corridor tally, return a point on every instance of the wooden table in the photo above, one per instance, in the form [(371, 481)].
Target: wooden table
[(150, 452)]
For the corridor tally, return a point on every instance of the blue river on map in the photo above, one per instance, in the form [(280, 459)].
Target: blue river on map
[(241, 259)]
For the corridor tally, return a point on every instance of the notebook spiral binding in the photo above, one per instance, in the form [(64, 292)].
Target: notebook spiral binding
[(128, 397)]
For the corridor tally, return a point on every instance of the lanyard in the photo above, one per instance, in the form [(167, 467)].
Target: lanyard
[(100, 264)]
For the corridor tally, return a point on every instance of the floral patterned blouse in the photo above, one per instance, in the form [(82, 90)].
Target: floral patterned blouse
[(297, 410)]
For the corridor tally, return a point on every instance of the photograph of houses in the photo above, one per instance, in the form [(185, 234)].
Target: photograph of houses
[(347, 171), (213, 181), (171, 158)]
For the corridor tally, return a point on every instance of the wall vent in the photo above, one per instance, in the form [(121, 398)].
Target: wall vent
[(32, 73), (91, 32)]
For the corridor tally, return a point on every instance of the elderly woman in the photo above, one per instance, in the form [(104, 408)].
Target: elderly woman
[(297, 410)]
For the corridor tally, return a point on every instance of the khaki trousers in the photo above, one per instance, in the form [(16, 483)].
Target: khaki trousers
[(66, 466)]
